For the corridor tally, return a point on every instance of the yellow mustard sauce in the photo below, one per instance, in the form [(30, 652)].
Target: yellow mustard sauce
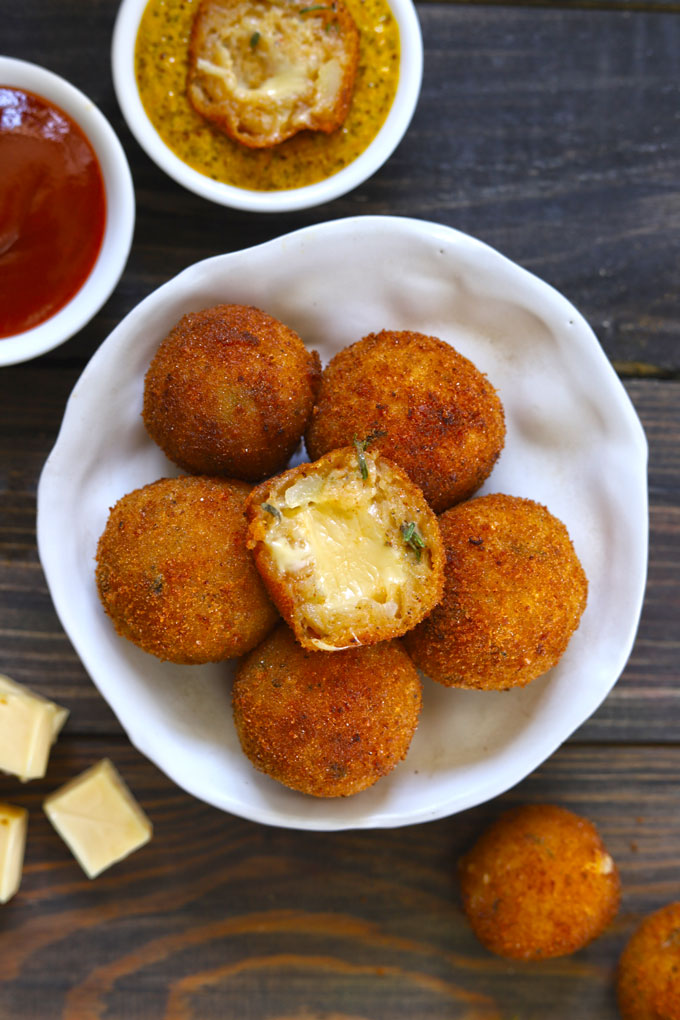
[(161, 63)]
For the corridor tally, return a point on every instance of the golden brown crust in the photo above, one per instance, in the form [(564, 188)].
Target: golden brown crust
[(174, 575), (264, 70), (539, 883), (441, 418), (325, 724), (303, 594), (648, 983), (514, 593), (229, 392)]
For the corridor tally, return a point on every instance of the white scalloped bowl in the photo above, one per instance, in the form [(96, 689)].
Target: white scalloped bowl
[(120, 212), (351, 176), (573, 443)]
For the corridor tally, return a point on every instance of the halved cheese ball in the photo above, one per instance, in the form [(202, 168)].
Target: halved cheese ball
[(264, 70), (348, 548)]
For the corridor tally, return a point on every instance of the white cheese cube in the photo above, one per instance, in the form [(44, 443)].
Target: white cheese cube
[(98, 818), (29, 725), (13, 824)]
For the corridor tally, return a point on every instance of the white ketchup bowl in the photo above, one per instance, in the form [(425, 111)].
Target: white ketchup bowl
[(120, 211)]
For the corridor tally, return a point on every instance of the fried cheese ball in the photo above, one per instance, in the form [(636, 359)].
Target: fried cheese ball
[(648, 983), (348, 548), (539, 883), (433, 412), (262, 70), (514, 594), (325, 724), (174, 574), (229, 392)]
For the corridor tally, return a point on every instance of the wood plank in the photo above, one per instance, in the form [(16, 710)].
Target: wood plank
[(549, 157), (222, 917), (549, 132), (33, 648)]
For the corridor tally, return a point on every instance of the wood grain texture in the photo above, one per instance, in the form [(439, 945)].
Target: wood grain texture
[(552, 132), (221, 917)]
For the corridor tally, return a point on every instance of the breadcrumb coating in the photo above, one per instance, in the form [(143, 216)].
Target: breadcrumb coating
[(327, 724), (438, 416), (648, 983), (514, 593), (229, 392), (539, 883), (174, 574)]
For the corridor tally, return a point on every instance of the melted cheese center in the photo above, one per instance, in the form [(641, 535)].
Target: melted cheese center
[(283, 82), (342, 543)]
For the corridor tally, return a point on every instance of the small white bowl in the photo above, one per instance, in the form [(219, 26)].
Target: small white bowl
[(574, 443), (370, 160), (120, 212)]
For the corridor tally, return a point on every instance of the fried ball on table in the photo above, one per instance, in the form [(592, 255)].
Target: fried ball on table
[(514, 593), (539, 883), (229, 392), (348, 548), (174, 574), (327, 724), (648, 983), (432, 411)]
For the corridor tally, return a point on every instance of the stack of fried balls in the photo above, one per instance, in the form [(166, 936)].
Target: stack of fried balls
[(313, 575), (335, 581)]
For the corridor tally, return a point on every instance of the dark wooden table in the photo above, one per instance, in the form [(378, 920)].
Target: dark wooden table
[(553, 133)]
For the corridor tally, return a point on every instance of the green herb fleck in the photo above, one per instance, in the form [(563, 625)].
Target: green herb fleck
[(315, 7), (539, 841), (273, 510), (413, 538), (254, 40), (360, 446)]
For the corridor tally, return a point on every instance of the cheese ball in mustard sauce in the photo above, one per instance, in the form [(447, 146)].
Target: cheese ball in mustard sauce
[(161, 69)]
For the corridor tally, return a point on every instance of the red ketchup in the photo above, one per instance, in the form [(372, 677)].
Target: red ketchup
[(52, 209)]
